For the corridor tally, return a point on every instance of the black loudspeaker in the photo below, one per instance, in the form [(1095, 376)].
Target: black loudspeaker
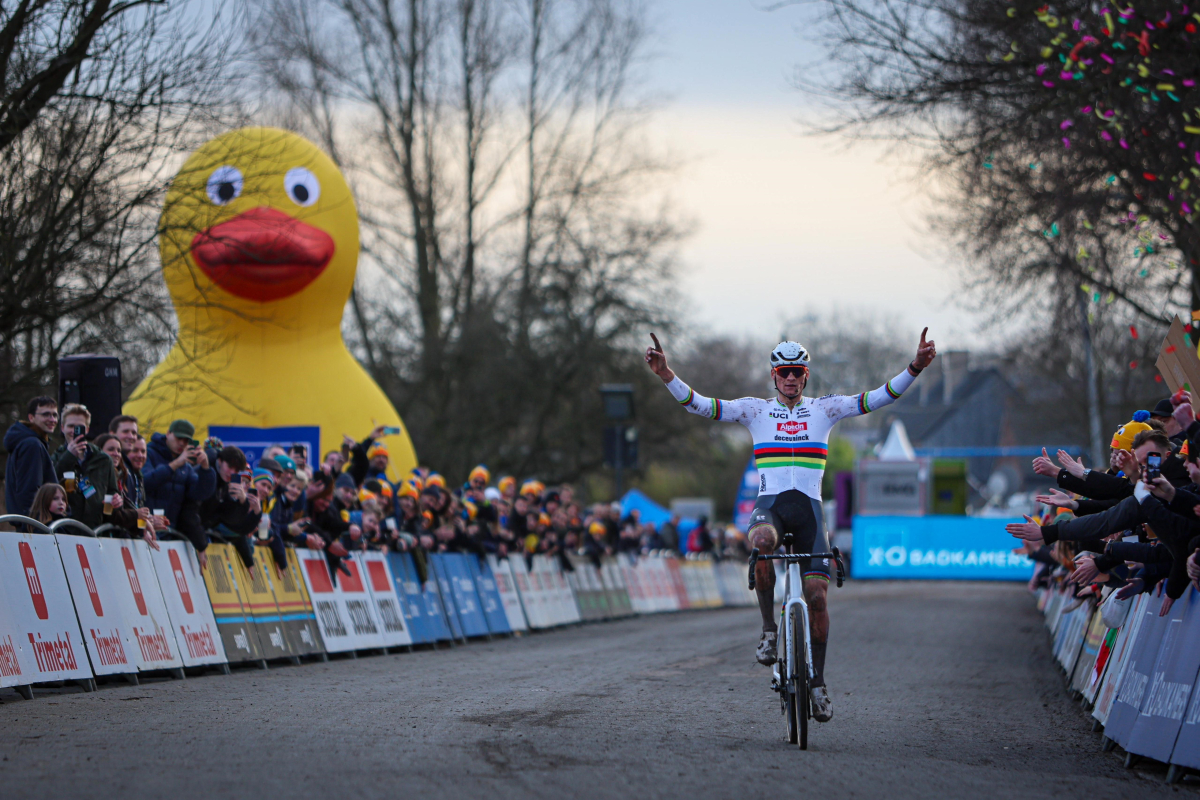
[(94, 381)]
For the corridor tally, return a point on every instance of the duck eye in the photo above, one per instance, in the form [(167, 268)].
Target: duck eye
[(302, 186), (224, 185)]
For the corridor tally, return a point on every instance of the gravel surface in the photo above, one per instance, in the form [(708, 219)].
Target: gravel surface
[(940, 689)]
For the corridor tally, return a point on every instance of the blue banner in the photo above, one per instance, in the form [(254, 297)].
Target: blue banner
[(747, 496), (489, 596), (440, 576), (1157, 726), (1135, 681), (466, 598), (935, 547), (253, 441)]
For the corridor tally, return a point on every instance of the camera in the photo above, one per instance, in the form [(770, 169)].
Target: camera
[(391, 431), (1153, 466), (78, 430)]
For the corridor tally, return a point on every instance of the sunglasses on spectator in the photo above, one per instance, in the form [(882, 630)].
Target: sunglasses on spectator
[(786, 372)]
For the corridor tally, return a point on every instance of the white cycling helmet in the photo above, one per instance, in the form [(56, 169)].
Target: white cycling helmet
[(789, 354)]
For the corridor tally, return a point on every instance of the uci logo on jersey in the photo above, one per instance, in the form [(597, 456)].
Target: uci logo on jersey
[(778, 415), (791, 427)]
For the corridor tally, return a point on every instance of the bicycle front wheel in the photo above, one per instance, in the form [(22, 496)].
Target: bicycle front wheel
[(791, 713), (800, 683)]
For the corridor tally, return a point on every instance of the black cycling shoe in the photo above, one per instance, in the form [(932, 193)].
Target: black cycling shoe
[(766, 653)]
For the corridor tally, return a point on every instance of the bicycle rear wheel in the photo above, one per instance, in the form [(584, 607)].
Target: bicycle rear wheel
[(800, 683)]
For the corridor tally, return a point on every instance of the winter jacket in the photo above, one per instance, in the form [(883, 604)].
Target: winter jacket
[(169, 489), (29, 467), (222, 510), (95, 472)]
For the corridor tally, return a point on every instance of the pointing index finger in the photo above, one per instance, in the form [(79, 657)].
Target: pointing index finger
[(923, 332), (657, 346)]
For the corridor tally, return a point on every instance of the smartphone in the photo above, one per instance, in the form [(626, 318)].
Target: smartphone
[(1153, 466), (391, 431), (78, 430)]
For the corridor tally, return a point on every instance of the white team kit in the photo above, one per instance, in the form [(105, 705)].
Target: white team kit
[(790, 445)]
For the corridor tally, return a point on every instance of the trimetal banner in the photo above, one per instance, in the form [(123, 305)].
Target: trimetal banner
[(133, 577), (42, 641), (936, 547), (109, 637), (188, 608)]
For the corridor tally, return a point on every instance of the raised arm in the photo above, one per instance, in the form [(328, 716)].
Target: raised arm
[(856, 405), (722, 410)]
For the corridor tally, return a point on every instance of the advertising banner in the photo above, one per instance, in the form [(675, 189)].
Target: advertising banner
[(295, 607), (106, 633), (1126, 635), (259, 600), (466, 598), (589, 592), (506, 587), (441, 578), (382, 589), (489, 596), (614, 584), (412, 599), (1135, 683), (344, 610), (1162, 712), (44, 642), (925, 548), (239, 637), (254, 441), (531, 597), (188, 608), (142, 604)]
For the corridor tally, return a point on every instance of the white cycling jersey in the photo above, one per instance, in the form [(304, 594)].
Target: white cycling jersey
[(790, 445)]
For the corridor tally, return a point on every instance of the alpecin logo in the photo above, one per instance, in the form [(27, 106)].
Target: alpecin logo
[(200, 643), (154, 646), (181, 581), (9, 666), (109, 649), (55, 656), (791, 427), (33, 581)]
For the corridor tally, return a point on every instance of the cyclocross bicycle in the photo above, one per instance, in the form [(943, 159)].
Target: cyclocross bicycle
[(789, 678)]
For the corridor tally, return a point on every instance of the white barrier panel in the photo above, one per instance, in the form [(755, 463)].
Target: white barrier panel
[(44, 642), (562, 599), (506, 585), (107, 633), (383, 594), (188, 605), (1119, 660), (132, 575), (638, 600), (533, 598), (343, 611)]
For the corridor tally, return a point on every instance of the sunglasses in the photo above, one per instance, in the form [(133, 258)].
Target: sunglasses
[(786, 372)]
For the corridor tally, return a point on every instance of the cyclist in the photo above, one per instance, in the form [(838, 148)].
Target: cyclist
[(791, 435)]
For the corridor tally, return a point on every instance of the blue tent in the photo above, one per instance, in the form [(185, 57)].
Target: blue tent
[(653, 513)]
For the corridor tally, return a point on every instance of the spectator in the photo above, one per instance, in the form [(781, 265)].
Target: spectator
[(367, 459), (334, 461), (179, 479), (49, 504), (125, 428), (96, 494), (299, 455), (124, 514), (29, 467), (234, 508), (700, 539), (668, 532)]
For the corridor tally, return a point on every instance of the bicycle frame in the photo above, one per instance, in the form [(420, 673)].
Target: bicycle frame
[(793, 602)]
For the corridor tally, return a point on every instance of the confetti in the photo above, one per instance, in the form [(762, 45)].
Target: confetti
[(1133, 331)]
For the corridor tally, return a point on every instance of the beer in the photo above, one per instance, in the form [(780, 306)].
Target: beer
[(107, 505), (141, 524), (69, 481)]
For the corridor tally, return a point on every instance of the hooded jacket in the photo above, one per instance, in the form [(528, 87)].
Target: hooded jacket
[(97, 469), (28, 469), (169, 489)]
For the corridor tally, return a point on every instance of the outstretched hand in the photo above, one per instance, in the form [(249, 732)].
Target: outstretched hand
[(657, 361), (926, 351)]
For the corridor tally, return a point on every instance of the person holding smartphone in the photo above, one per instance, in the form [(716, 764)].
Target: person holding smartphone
[(235, 508), (95, 475), (178, 478)]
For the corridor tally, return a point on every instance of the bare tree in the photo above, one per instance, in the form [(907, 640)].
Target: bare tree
[(509, 253)]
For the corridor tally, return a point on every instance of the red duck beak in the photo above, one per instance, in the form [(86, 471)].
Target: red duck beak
[(262, 254)]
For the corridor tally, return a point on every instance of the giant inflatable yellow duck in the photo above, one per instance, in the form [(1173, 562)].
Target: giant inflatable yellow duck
[(259, 245)]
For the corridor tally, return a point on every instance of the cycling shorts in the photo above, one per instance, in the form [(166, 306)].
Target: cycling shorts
[(800, 515)]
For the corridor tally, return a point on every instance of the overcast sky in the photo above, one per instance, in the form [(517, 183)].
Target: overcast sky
[(785, 223)]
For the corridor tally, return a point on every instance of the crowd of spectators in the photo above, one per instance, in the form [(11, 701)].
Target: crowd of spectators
[(349, 500), (1125, 529)]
